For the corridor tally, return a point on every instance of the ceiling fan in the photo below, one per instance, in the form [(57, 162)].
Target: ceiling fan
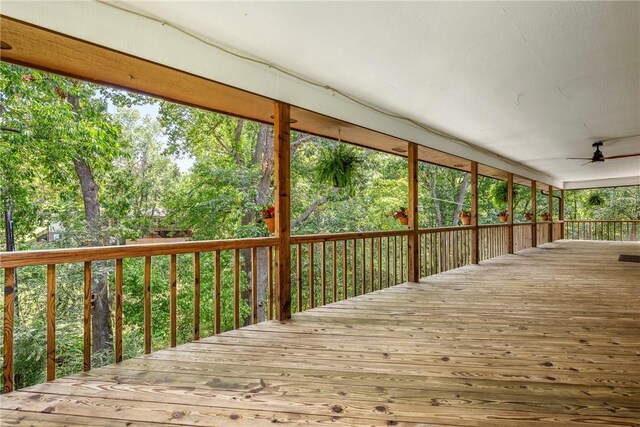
[(599, 157)]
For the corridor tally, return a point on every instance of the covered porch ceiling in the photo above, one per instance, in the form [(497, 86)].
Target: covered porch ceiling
[(518, 86)]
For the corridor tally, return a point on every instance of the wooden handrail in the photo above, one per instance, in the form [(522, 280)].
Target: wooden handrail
[(440, 229), (63, 256), (316, 238), (502, 224), (602, 220)]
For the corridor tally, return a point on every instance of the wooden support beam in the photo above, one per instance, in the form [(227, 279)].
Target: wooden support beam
[(534, 212), (413, 242), (561, 214), (550, 203), (282, 150), (510, 212), (7, 353), (475, 249)]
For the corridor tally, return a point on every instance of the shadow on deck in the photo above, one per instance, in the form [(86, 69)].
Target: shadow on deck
[(550, 335)]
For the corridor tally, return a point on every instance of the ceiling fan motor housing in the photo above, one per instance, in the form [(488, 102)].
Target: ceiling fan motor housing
[(597, 156)]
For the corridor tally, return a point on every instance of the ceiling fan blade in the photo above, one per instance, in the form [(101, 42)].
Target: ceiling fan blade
[(620, 156), (619, 139), (588, 163), (578, 158)]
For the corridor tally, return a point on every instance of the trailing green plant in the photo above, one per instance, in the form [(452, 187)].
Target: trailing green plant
[(595, 200), (339, 167), (499, 192)]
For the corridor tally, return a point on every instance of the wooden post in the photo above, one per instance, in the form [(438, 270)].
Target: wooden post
[(561, 214), (282, 150), (550, 203), (7, 355), (475, 249), (413, 242), (534, 211), (510, 212)]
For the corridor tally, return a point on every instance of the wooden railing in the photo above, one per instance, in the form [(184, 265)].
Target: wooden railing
[(325, 268), (493, 240), (332, 267), (542, 231), (521, 236), (10, 262), (601, 230), (443, 249)]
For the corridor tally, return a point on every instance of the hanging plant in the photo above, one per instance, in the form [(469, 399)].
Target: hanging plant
[(339, 167), (595, 200)]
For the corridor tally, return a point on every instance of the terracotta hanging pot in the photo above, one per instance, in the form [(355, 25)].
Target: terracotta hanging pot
[(271, 224), (403, 220), (545, 217), (466, 219), (502, 218)]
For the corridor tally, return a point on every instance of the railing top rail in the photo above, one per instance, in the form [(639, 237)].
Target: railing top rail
[(502, 224), (604, 220), (441, 229), (311, 238), (61, 256)]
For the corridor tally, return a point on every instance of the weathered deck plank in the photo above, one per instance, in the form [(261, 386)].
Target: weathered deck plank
[(544, 337)]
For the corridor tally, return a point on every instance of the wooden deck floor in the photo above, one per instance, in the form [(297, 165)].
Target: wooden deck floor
[(547, 336)]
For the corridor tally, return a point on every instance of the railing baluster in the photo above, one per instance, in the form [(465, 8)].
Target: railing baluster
[(312, 295), (236, 289), (334, 272), (217, 327), (323, 285), (254, 285), (298, 278), (388, 247), (344, 269), (363, 267), (147, 305), (173, 296), (196, 296), (118, 284), (269, 283), (379, 262), (51, 322), (371, 270), (402, 259), (87, 317), (354, 248), (395, 260)]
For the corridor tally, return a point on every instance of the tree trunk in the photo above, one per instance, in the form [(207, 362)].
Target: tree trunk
[(11, 246), (100, 311), (434, 197), (461, 195)]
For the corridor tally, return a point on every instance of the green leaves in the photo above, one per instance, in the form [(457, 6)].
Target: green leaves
[(338, 167)]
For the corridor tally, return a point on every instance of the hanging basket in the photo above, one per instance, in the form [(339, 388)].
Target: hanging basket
[(502, 218), (466, 219), (403, 220), (545, 217), (271, 224)]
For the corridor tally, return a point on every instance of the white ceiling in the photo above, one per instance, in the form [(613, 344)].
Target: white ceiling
[(534, 81)]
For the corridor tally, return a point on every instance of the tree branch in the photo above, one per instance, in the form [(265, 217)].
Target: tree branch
[(312, 208)]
